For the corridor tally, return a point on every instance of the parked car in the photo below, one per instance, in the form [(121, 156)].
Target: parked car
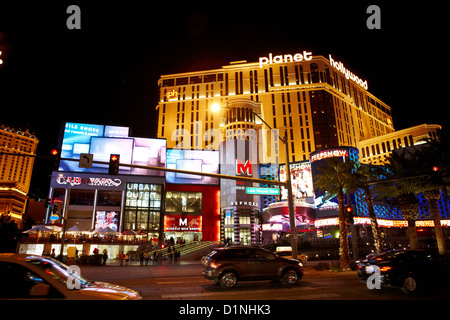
[(26, 276), (409, 270), (286, 252), (229, 265)]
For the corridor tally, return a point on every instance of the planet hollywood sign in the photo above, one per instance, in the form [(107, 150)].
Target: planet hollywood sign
[(98, 182)]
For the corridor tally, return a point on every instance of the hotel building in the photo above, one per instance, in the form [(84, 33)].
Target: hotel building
[(320, 103), (15, 171)]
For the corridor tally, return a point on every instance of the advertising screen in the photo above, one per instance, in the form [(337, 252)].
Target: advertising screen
[(325, 203), (182, 223), (102, 141), (302, 183), (107, 219), (192, 160)]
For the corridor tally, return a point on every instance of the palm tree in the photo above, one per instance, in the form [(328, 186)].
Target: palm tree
[(403, 184), (335, 178), (435, 158), (362, 179)]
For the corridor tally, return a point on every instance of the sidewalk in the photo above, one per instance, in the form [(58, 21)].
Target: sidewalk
[(116, 263)]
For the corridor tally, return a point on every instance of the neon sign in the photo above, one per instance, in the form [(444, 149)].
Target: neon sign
[(172, 94), (348, 75), (329, 154), (307, 56), (101, 182), (243, 169)]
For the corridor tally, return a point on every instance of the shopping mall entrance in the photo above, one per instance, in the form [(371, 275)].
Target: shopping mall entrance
[(187, 236)]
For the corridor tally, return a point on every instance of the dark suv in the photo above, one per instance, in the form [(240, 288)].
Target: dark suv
[(229, 265)]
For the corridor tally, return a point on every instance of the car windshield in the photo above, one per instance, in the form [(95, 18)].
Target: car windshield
[(59, 272), (211, 254)]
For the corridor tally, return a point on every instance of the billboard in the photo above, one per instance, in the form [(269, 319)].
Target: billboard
[(302, 182), (323, 202), (107, 219), (192, 160), (182, 223), (102, 141)]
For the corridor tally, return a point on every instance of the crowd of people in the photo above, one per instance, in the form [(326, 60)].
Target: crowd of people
[(156, 258)]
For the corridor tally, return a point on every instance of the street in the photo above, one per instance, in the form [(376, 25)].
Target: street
[(185, 282)]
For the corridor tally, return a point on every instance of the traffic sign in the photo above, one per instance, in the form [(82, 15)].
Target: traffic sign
[(263, 191), (86, 160)]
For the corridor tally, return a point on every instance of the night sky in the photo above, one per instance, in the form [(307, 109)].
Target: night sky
[(107, 71)]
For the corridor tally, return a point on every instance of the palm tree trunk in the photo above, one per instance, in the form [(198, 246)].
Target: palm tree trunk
[(344, 256), (412, 234), (373, 221), (434, 208)]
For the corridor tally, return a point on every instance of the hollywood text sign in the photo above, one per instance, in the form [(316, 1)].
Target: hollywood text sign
[(348, 75)]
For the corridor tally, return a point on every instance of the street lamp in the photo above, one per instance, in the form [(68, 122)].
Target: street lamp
[(215, 108)]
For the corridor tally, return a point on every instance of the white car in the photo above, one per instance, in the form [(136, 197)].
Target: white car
[(24, 276)]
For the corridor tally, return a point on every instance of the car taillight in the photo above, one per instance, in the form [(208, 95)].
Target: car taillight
[(214, 265), (385, 268)]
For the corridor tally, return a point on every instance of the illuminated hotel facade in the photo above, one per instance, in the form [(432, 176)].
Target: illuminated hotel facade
[(15, 171), (320, 103)]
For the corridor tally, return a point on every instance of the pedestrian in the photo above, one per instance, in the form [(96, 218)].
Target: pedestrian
[(175, 255), (53, 253), (141, 258), (122, 257), (154, 257), (169, 251), (146, 257), (159, 257), (105, 256), (178, 256), (127, 258)]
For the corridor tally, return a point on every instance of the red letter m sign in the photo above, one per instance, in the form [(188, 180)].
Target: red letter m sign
[(243, 169)]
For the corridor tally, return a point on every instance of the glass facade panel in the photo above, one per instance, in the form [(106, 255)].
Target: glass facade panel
[(143, 207)]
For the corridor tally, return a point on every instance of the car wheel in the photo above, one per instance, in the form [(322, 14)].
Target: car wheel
[(409, 285), (228, 279), (290, 277)]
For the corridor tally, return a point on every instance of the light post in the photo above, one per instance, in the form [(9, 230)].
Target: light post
[(215, 108)]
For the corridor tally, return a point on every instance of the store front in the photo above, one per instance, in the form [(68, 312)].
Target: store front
[(101, 201), (192, 212)]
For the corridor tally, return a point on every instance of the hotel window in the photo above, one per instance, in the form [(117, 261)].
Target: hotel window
[(281, 76), (271, 76)]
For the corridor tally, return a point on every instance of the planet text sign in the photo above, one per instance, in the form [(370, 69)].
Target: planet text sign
[(307, 56)]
